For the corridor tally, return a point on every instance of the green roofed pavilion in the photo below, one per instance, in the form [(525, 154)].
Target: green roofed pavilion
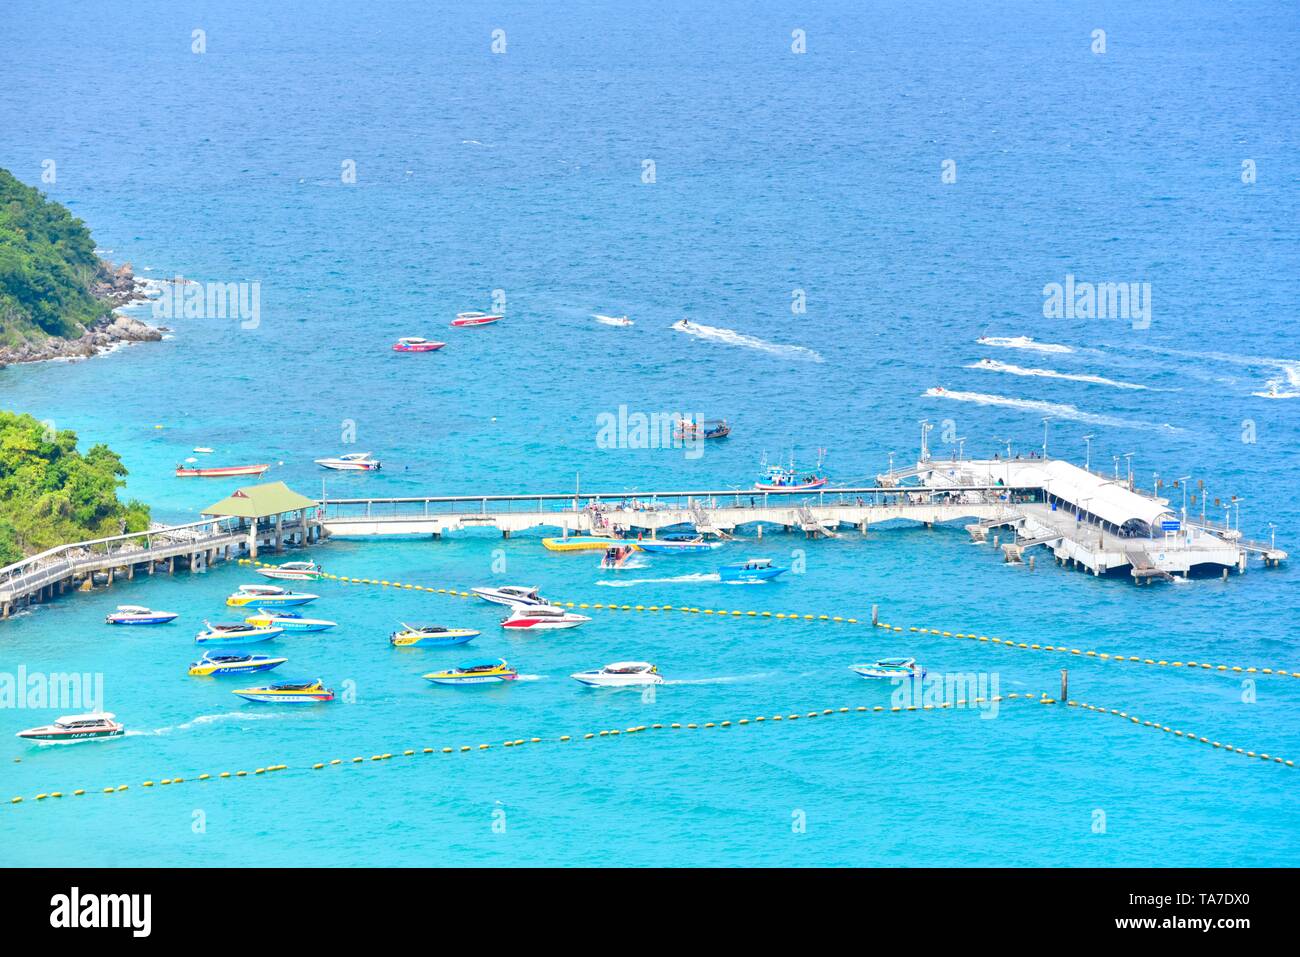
[(260, 501)]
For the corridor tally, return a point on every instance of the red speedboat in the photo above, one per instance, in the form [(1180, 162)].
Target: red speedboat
[(183, 472), (464, 319), (416, 344)]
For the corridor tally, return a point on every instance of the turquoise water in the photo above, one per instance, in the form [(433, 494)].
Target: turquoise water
[(774, 172)]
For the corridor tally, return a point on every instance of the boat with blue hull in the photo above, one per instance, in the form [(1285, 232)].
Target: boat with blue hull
[(217, 664), (754, 570), (139, 615), (430, 636), (263, 596), (288, 620)]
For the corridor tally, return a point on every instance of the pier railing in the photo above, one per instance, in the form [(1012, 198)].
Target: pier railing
[(65, 559), (685, 501)]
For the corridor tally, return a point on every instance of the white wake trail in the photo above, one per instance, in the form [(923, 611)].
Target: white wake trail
[(1022, 342), (731, 337), (992, 365), (1055, 409)]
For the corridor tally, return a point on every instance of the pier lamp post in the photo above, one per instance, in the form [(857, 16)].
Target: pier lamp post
[(1182, 480), (1272, 537), (1128, 461), (1046, 419), (926, 426), (1087, 456), (891, 466), (961, 449), (1116, 458), (1236, 503)]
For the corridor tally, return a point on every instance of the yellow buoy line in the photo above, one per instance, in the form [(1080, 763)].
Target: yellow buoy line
[(839, 619), (1042, 699)]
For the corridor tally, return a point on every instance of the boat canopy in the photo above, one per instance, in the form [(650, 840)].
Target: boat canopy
[(94, 718), (628, 667)]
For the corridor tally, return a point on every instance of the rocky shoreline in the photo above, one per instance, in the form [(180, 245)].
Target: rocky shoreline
[(115, 288)]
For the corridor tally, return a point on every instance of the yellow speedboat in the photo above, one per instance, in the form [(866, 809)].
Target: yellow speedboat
[(488, 672), (582, 543), (292, 692)]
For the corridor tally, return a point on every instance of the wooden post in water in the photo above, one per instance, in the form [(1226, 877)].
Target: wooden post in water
[(1065, 685)]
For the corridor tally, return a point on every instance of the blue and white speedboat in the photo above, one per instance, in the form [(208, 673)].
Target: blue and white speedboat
[(288, 620), (234, 634), (753, 570), (232, 663), (897, 668), (677, 545), (138, 615)]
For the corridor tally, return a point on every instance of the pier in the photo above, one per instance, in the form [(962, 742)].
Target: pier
[(1085, 520), (275, 517)]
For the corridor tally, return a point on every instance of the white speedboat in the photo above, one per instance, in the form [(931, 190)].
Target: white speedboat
[(612, 320), (76, 727), (352, 462), (621, 674), (541, 617), (292, 571), (138, 615), (897, 668), (512, 596)]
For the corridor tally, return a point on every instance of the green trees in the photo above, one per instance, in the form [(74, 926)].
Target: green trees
[(51, 494), (47, 267)]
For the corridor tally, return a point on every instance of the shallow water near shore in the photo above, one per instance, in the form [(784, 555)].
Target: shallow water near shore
[(522, 172)]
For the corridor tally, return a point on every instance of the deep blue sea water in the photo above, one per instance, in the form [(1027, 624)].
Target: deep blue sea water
[(774, 172)]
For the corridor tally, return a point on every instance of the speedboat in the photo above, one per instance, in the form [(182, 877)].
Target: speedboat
[(543, 617), (754, 570), (695, 429), (289, 692), (677, 544), (430, 635), (513, 596), (261, 595), (489, 672), (76, 727), (352, 462), (288, 621), (211, 665), (612, 320), (578, 543), (203, 449), (229, 470), (617, 556), (138, 615), (292, 571), (230, 633), (621, 674), (466, 319), (890, 668), (781, 479), (416, 344)]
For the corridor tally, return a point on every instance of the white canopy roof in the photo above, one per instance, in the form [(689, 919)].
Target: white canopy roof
[(1107, 499)]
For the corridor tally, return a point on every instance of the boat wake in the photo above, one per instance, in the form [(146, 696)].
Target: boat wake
[(723, 680), (205, 719), (679, 580), (731, 337), (1022, 342), (992, 365), (1056, 409), (612, 320), (1289, 369)]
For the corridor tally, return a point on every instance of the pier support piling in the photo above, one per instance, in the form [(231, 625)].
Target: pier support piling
[(1065, 686), (875, 615)]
